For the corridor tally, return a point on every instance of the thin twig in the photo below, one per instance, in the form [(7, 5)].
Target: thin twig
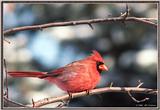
[(32, 102), (46, 101), (140, 84), (62, 104), (90, 25), (126, 13), (11, 103), (80, 22), (6, 41), (6, 80), (111, 85), (137, 101), (150, 19)]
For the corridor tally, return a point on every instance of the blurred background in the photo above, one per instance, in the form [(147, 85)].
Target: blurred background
[(129, 50)]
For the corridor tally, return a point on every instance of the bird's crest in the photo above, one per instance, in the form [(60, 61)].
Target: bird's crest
[(96, 56)]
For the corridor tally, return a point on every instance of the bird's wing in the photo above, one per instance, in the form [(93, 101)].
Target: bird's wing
[(54, 73), (75, 68)]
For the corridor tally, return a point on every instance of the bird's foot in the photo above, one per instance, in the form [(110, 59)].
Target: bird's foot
[(66, 102), (88, 92), (70, 97)]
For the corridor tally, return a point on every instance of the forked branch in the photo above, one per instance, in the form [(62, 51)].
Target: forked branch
[(50, 100), (46, 101)]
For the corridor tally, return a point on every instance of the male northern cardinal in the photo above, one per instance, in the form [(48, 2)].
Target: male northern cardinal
[(81, 75)]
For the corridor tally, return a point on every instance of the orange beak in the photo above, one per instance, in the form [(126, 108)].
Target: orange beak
[(103, 67)]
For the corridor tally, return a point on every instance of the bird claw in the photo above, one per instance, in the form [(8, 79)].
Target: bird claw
[(70, 97), (88, 92)]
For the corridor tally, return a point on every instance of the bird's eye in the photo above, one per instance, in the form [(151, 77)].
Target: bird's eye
[(98, 64)]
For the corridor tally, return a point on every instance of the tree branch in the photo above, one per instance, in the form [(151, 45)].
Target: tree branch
[(137, 101), (80, 22), (46, 101)]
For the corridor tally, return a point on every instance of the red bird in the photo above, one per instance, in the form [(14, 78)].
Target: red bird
[(81, 75)]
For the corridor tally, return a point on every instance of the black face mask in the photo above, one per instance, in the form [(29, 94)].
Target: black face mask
[(97, 65)]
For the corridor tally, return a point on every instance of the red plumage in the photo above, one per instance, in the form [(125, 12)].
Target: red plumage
[(77, 76)]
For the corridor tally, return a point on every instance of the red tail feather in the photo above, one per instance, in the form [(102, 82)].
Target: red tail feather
[(25, 74)]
